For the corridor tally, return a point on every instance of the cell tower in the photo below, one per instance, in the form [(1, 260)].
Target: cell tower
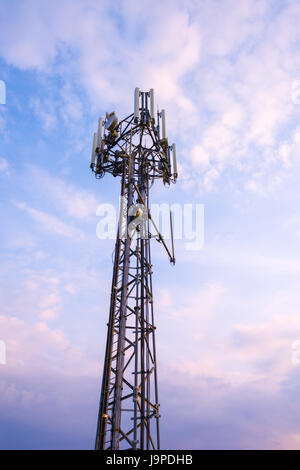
[(137, 150)]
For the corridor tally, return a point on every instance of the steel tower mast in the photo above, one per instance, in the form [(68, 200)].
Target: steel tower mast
[(137, 150)]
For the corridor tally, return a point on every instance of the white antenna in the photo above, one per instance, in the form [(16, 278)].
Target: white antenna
[(100, 126), (174, 161), (163, 124), (152, 103), (136, 103), (94, 150)]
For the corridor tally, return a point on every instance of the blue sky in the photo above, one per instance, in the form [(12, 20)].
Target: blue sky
[(227, 315)]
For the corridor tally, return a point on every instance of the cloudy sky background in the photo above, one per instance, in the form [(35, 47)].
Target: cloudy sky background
[(227, 315)]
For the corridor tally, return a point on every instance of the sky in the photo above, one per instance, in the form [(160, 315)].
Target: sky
[(227, 315)]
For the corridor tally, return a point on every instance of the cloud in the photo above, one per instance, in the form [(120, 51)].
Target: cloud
[(2, 123), (4, 167), (64, 104), (19, 45), (266, 348), (243, 388), (51, 223), (186, 316), (44, 379), (225, 415), (226, 87), (24, 340), (70, 288), (50, 304), (50, 314), (75, 202), (45, 112)]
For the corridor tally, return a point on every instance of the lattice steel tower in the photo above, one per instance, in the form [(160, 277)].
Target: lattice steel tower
[(137, 150)]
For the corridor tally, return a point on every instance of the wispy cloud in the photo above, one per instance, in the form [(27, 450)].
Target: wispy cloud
[(4, 167), (51, 223), (45, 112), (226, 87), (76, 202)]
